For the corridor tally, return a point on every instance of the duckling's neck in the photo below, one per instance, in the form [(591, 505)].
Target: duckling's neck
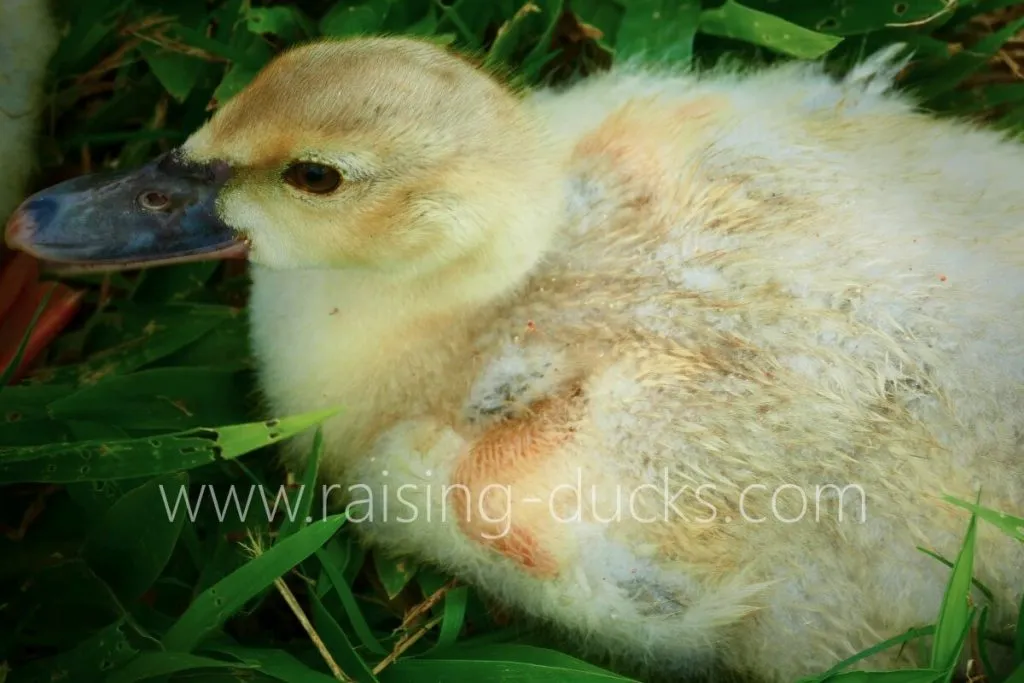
[(373, 342)]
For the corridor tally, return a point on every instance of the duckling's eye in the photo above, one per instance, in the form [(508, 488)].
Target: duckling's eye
[(315, 178)]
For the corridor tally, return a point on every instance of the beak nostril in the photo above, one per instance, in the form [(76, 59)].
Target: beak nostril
[(153, 201)]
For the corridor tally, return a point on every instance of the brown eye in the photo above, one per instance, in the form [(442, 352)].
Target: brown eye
[(315, 178), (154, 201)]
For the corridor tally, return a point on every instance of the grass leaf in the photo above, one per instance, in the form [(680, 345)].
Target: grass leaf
[(658, 30), (955, 613), (733, 20), (129, 458), (1008, 524), (300, 509), (394, 573), (217, 603), (132, 543), (150, 665)]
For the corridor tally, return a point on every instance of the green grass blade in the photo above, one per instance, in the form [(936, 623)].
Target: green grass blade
[(982, 588), (149, 665), (159, 399), (169, 329), (529, 654), (132, 543), (87, 662), (422, 670), (1008, 524), (338, 643), (337, 580), (955, 613), (735, 21), (966, 62), (275, 663), (902, 638), (986, 662), (844, 18), (217, 603), (658, 30), (902, 676), (7, 373), (300, 509), (453, 617), (394, 573), (1017, 676), (1018, 637), (126, 459)]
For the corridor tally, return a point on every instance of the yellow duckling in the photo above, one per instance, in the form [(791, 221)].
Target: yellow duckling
[(680, 364)]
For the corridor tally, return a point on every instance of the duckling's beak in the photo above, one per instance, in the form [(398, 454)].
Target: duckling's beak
[(162, 212)]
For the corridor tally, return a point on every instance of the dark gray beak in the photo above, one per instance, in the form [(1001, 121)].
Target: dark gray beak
[(162, 212)]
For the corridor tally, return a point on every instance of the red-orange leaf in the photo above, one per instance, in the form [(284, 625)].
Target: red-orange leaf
[(61, 308), (19, 270)]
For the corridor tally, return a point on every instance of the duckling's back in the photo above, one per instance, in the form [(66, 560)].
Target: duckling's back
[(794, 300), (803, 296)]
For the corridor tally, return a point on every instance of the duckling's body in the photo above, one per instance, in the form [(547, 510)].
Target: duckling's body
[(722, 288), (759, 281)]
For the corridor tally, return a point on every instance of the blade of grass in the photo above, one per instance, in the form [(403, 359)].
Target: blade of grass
[(735, 21), (394, 573), (338, 642), (955, 612), (982, 588), (658, 30), (126, 459), (150, 665), (301, 516), (348, 602), (276, 663), (1008, 524), (217, 603), (14, 364), (132, 543), (906, 637)]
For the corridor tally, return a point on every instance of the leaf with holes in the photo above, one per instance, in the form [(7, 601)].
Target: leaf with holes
[(129, 458), (159, 399), (1009, 524), (658, 30), (285, 21), (854, 17), (735, 21), (88, 662), (347, 19), (167, 330)]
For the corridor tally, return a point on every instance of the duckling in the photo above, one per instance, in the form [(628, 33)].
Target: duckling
[(28, 38), (681, 364)]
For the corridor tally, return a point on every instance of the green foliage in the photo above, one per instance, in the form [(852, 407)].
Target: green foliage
[(146, 406)]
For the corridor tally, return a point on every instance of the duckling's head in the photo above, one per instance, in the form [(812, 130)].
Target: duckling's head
[(386, 154)]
